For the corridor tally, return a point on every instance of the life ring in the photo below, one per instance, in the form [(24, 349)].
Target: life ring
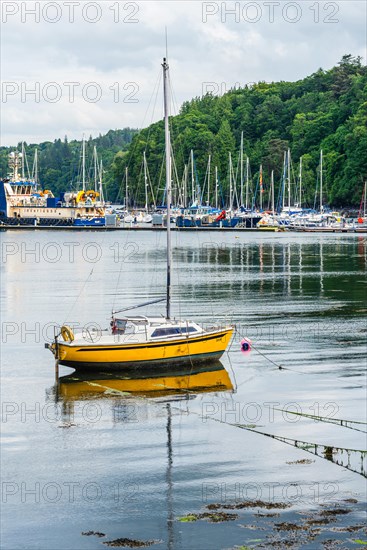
[(67, 333)]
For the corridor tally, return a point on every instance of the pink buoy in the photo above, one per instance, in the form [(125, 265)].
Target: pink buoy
[(246, 345)]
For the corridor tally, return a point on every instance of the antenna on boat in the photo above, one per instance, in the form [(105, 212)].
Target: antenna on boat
[(166, 33)]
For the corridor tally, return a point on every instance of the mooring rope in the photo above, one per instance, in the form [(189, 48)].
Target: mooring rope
[(336, 421), (280, 367), (305, 446)]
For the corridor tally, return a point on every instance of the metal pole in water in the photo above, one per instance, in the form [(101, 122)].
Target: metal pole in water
[(56, 370)]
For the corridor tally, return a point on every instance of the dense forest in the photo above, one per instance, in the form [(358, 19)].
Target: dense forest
[(327, 110)]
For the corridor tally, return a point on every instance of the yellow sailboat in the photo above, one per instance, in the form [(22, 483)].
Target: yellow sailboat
[(140, 341)]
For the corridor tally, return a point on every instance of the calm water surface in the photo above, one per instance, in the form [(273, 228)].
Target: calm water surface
[(84, 456)]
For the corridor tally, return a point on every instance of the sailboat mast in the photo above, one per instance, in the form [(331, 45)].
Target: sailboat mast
[(35, 169), (126, 188), (192, 177), (261, 187), (364, 203), (145, 182), (241, 161), (283, 186), (230, 185), (101, 197), (272, 194), (95, 167), (168, 184), (247, 179), (300, 182), (83, 163), (289, 179), (216, 187), (23, 161), (185, 186), (321, 208), (209, 160)]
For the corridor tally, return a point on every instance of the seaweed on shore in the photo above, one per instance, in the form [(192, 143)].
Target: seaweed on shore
[(129, 543), (93, 533), (249, 504), (284, 526), (335, 512), (212, 517)]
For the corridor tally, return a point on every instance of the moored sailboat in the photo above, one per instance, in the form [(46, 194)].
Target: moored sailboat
[(139, 341)]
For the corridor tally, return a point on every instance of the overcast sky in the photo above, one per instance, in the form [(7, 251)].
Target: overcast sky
[(94, 66)]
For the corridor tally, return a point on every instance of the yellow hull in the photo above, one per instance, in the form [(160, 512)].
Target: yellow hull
[(218, 380), (192, 350)]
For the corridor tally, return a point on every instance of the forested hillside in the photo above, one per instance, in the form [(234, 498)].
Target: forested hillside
[(327, 110)]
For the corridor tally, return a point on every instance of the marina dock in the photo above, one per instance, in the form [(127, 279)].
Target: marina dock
[(149, 227)]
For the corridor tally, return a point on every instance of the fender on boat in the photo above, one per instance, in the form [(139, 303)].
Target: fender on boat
[(67, 334)]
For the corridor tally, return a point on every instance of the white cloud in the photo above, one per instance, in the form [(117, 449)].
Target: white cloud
[(108, 52)]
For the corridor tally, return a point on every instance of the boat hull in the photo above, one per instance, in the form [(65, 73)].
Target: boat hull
[(192, 351)]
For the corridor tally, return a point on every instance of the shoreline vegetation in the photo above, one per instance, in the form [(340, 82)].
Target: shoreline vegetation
[(326, 110)]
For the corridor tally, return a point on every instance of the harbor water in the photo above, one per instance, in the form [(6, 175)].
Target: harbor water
[(173, 461)]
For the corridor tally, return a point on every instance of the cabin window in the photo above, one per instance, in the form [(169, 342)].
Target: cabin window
[(172, 331), (189, 329), (165, 332)]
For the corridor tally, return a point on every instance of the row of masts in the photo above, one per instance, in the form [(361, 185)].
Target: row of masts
[(235, 200)]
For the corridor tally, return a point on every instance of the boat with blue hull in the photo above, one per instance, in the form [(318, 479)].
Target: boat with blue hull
[(208, 217), (23, 202)]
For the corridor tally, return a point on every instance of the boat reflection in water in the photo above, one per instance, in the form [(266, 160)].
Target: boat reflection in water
[(159, 386), (145, 382)]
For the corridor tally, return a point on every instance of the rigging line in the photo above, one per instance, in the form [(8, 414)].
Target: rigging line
[(134, 142), (153, 95), (338, 421), (80, 292), (121, 262), (105, 234), (232, 369), (157, 88)]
